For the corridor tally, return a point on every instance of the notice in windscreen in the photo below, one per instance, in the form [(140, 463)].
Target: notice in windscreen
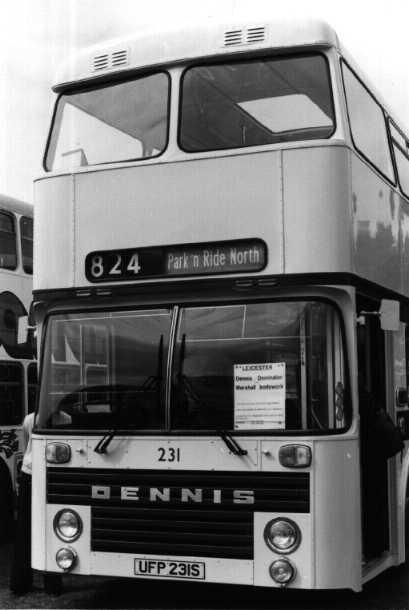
[(259, 396)]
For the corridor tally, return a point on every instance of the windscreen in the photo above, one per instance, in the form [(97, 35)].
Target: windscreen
[(255, 102), (117, 122), (105, 370), (271, 366), (264, 366)]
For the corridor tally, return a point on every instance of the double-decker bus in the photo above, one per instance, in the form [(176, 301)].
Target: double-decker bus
[(221, 297), (18, 371)]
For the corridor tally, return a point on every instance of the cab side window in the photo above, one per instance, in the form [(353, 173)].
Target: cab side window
[(11, 393), (8, 244), (26, 232)]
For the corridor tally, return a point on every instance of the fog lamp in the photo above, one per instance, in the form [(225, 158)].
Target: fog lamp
[(57, 453), (67, 525), (295, 456), (282, 571), (66, 558), (282, 535)]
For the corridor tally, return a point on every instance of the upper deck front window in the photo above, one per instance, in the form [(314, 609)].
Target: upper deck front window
[(107, 124), (255, 102)]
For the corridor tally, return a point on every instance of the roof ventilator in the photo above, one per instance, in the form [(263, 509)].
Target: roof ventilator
[(256, 34), (101, 62), (233, 37), (106, 61), (119, 58)]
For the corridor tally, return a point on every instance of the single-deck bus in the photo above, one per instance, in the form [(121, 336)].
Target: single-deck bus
[(18, 372), (221, 294)]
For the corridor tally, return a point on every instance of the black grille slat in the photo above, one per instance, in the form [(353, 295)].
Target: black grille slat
[(160, 525), (182, 478), (219, 539), (213, 527), (173, 513), (188, 550)]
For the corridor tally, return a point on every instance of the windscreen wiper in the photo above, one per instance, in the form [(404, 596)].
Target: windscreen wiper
[(102, 445), (231, 443)]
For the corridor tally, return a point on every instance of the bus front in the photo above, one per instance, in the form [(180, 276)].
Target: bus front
[(195, 415)]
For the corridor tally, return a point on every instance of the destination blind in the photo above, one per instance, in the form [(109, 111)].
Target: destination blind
[(236, 256)]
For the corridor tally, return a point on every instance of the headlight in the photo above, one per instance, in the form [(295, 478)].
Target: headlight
[(282, 571), (67, 525), (282, 535), (66, 559), (57, 453)]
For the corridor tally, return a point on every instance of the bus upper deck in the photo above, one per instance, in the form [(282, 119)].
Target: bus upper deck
[(252, 128)]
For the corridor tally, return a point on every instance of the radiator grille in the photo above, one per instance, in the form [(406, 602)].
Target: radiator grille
[(217, 526)]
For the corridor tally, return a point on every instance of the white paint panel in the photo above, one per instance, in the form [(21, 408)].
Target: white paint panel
[(377, 227), (301, 558), (53, 233), (198, 454), (38, 530), (335, 505), (204, 200), (317, 210), (82, 546)]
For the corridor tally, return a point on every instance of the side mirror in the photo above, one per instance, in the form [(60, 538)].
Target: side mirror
[(390, 314), (401, 398)]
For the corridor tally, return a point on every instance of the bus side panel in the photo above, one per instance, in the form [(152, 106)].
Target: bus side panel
[(377, 220), (38, 531), (54, 233), (404, 245), (206, 200), (337, 516), (317, 216)]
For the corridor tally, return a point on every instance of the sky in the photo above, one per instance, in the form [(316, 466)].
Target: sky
[(37, 35)]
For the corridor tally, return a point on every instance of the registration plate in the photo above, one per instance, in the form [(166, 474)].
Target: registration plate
[(165, 568)]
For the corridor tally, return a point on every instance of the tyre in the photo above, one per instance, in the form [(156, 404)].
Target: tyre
[(6, 504), (407, 528)]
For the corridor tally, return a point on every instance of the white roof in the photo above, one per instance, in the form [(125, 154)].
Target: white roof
[(10, 204), (165, 46)]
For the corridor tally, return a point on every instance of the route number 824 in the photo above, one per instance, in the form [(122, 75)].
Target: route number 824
[(101, 268)]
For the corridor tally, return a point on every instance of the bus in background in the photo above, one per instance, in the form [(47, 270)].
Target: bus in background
[(221, 291), (18, 372)]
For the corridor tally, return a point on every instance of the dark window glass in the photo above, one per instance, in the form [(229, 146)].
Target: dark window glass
[(401, 152), (402, 163), (26, 231), (11, 393), (117, 122), (250, 103), (8, 244), (368, 125), (105, 370), (259, 366), (32, 382)]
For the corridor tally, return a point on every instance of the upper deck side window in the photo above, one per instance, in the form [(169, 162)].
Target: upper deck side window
[(26, 235), (111, 123), (8, 241), (367, 123), (254, 102), (401, 152)]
